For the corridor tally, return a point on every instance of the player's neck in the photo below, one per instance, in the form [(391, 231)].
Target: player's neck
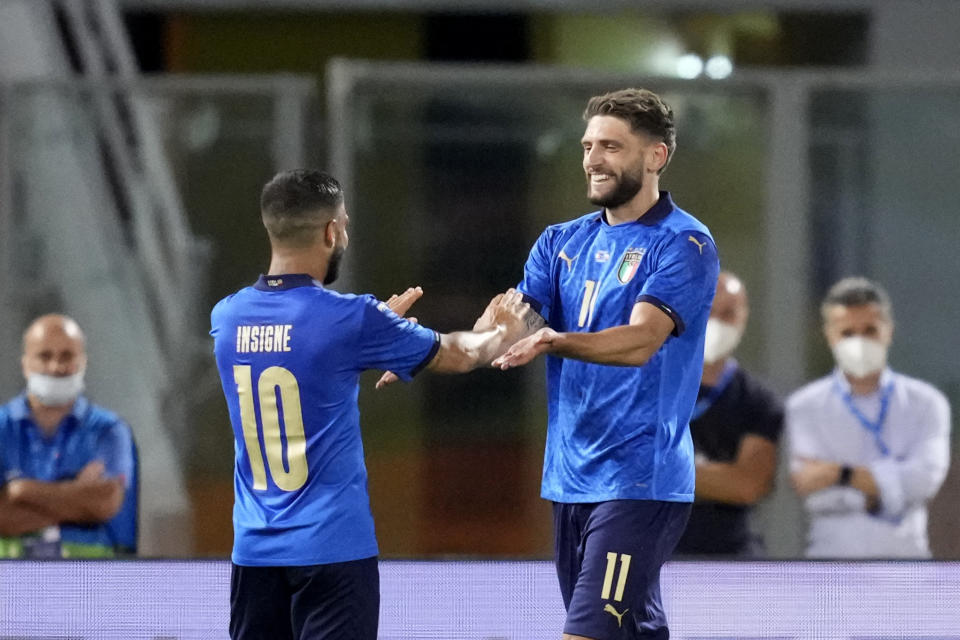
[(311, 262), (712, 372), (864, 386), (633, 210)]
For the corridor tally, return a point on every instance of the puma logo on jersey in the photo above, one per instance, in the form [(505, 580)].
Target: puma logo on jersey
[(563, 256), (700, 245), (608, 608)]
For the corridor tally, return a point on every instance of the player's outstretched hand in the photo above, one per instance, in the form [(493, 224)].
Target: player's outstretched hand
[(401, 303), (486, 320), (389, 377), (526, 350), (511, 312)]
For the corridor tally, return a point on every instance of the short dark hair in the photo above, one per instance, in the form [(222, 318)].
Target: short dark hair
[(855, 292), (295, 205), (644, 110)]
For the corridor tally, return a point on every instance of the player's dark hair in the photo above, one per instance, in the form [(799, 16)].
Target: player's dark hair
[(295, 205), (643, 110), (856, 292)]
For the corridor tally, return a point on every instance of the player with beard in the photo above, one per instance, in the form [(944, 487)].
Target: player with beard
[(290, 353), (625, 293)]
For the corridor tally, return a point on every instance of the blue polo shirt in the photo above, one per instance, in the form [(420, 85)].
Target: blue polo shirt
[(86, 434), (622, 432)]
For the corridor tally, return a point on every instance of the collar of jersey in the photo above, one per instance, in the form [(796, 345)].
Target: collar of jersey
[(844, 385), (654, 214), (20, 408), (285, 281)]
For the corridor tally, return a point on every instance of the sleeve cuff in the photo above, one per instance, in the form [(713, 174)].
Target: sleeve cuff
[(886, 474), (835, 500), (535, 304), (426, 360), (678, 326)]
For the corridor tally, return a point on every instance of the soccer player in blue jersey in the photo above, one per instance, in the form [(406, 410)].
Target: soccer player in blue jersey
[(625, 293), (290, 353)]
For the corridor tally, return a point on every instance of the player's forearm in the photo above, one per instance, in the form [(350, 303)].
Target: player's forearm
[(69, 500), (464, 351), (725, 482), (18, 520), (625, 346)]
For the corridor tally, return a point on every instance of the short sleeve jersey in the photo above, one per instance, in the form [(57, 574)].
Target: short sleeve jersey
[(744, 407), (290, 354), (86, 434), (621, 432)]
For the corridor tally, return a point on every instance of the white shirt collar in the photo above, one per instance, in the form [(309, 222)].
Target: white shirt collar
[(844, 385)]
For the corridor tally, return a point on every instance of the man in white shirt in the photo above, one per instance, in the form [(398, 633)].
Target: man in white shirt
[(868, 447)]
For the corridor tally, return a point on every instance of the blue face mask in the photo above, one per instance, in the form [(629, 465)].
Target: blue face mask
[(55, 391)]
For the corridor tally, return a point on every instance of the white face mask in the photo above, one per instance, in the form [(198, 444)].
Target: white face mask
[(859, 357), (55, 391), (720, 340)]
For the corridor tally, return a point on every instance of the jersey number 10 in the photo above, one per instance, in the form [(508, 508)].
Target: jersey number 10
[(273, 382)]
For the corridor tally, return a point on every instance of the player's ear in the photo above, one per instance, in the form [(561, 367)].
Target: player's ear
[(330, 233), (657, 158)]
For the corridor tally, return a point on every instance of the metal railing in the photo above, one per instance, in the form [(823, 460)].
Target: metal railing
[(91, 222)]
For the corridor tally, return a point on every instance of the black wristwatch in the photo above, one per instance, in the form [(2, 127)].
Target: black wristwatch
[(846, 473)]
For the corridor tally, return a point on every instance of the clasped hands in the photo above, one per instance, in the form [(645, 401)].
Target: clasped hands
[(506, 311)]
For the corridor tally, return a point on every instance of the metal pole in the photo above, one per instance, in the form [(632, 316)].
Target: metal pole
[(788, 301), (8, 318), (340, 84), (289, 128)]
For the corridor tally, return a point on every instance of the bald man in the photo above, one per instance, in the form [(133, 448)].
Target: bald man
[(65, 464), (736, 424)]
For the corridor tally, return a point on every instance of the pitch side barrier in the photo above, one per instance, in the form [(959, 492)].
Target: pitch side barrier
[(495, 600)]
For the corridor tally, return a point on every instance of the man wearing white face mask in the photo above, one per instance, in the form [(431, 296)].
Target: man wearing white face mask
[(65, 464), (736, 424), (868, 447)]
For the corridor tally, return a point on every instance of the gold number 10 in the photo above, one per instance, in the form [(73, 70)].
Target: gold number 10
[(292, 476)]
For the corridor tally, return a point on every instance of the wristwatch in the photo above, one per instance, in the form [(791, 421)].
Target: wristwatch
[(846, 473)]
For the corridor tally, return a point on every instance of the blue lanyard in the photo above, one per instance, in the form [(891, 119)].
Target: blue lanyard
[(704, 403), (875, 427)]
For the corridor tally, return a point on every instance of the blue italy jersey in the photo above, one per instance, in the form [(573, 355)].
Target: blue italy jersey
[(86, 434), (622, 432), (290, 354)]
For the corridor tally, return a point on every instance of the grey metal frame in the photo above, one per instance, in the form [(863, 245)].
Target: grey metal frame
[(786, 214), (596, 6)]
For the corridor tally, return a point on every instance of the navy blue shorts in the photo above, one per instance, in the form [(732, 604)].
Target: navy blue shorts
[(339, 601), (608, 557)]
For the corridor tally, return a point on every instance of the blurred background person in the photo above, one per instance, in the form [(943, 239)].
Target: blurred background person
[(66, 465), (869, 448), (736, 425)]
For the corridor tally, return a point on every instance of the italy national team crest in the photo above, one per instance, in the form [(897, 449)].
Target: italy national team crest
[(630, 264)]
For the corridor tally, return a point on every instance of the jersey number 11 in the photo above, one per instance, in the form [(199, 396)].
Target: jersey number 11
[(273, 382)]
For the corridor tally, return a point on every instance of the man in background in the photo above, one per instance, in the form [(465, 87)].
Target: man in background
[(869, 447), (66, 465), (735, 427)]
